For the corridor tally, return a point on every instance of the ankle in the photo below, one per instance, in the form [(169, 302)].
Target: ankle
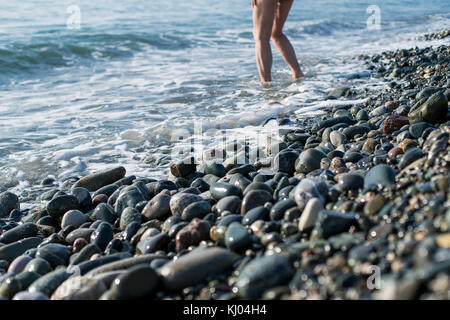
[(298, 75)]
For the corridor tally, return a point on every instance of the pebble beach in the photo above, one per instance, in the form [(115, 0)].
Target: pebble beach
[(354, 204)]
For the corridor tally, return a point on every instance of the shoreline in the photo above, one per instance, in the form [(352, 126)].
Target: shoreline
[(354, 201)]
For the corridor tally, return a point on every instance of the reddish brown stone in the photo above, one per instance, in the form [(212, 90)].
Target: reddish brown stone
[(394, 123), (337, 165), (196, 231), (100, 198), (394, 152), (79, 244)]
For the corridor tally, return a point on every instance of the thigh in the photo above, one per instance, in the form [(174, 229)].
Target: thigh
[(264, 16), (281, 14)]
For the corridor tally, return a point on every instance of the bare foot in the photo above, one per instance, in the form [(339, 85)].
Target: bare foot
[(302, 77), (298, 77)]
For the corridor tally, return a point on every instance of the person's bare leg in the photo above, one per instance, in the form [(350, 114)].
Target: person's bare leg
[(263, 18), (282, 42)]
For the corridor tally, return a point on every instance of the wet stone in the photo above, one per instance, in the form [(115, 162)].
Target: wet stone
[(85, 254), (104, 212), (227, 220), (153, 244), (217, 233), (107, 190), (195, 267), (74, 218), (48, 195), (362, 115), (158, 186), (102, 235), (19, 264), (337, 165), (216, 169), (25, 295), (407, 144), (352, 157), (416, 130), (309, 160), (433, 110), (352, 131), (258, 213), (10, 251), (183, 168), (196, 231), (379, 111), (180, 201), (157, 208), (79, 244), (48, 283), (302, 137), (22, 231), (129, 197), (426, 92), (374, 205), (369, 145), (381, 231), (310, 213), (253, 199), (55, 254), (84, 198), (100, 198), (175, 229), (258, 186), (80, 288), (221, 190), (350, 181), (38, 265), (278, 210), (60, 205), (8, 202), (128, 216), (169, 223), (330, 223), (337, 138), (409, 157), (394, 152), (196, 210), (308, 188), (394, 123), (262, 274), (230, 203), (285, 162), (95, 181), (200, 184), (443, 240), (291, 214), (237, 237), (137, 282), (381, 174)]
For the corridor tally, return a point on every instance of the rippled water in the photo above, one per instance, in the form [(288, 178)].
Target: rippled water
[(115, 91)]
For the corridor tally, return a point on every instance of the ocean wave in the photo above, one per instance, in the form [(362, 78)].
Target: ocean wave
[(324, 27), (65, 50)]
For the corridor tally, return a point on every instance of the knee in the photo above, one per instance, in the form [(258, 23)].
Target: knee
[(261, 36), (276, 35)]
